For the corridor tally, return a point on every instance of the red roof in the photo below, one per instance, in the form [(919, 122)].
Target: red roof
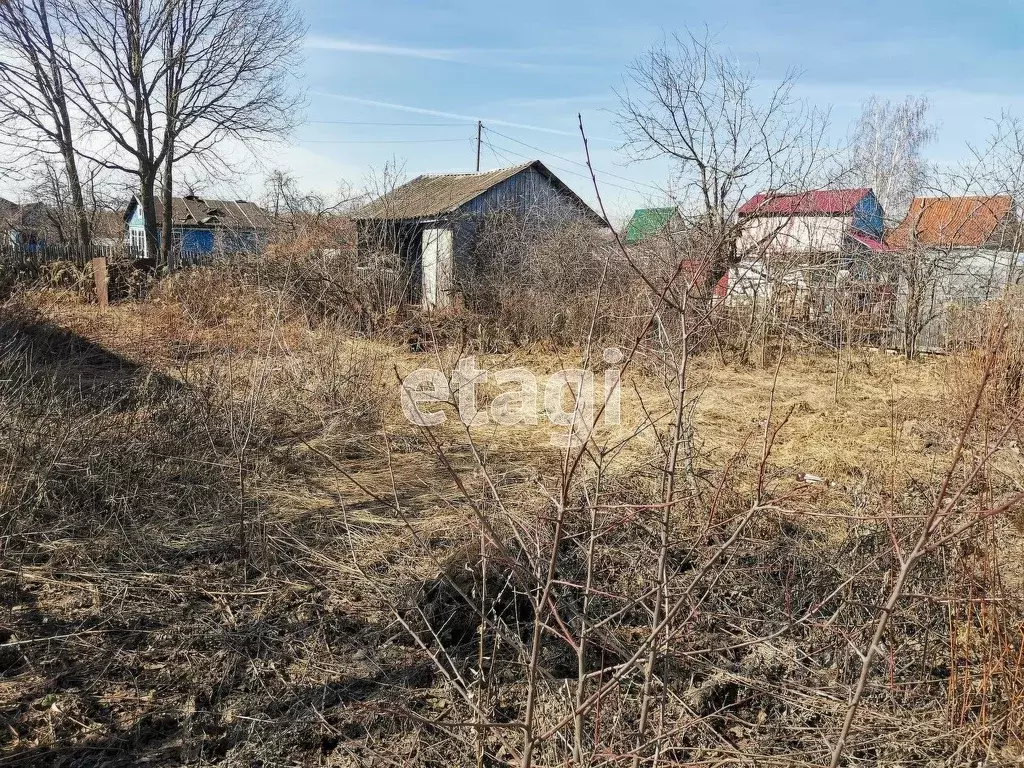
[(870, 243), (822, 202)]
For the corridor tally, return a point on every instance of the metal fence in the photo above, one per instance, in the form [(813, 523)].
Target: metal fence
[(877, 308)]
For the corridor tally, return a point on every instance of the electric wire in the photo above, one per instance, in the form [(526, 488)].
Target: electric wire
[(569, 171), (381, 141), (361, 122), (572, 162)]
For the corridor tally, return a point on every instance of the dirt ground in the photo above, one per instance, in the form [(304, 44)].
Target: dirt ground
[(130, 635)]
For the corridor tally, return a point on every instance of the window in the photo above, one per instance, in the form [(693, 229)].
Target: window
[(137, 240)]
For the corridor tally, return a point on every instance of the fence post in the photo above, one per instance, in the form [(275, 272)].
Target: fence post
[(99, 270)]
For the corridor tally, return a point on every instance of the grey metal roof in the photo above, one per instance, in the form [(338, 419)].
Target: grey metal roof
[(432, 195)]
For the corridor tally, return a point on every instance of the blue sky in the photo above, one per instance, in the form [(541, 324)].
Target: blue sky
[(527, 67), (442, 64)]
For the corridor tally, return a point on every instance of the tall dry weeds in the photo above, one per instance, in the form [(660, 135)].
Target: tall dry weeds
[(241, 554)]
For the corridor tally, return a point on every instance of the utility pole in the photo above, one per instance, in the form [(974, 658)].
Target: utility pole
[(479, 137)]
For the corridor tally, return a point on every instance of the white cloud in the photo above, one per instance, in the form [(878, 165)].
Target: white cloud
[(452, 115), (353, 46), (494, 57)]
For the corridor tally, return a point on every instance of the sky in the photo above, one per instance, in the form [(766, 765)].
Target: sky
[(405, 82)]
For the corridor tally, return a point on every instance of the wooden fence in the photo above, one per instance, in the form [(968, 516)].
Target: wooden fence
[(29, 260), (27, 257), (34, 256)]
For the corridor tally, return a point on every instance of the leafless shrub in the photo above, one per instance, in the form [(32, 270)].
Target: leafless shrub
[(535, 277), (699, 615), (253, 536)]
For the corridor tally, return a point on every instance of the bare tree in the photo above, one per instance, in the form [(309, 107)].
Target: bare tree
[(694, 105), (113, 64), (229, 71), (50, 186), (34, 108), (284, 197), (163, 81), (886, 151)]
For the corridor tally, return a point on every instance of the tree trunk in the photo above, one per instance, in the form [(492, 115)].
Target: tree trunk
[(83, 228), (147, 197), (171, 102), (912, 321), (167, 220)]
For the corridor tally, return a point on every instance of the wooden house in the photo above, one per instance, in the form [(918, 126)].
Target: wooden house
[(202, 226), (431, 223)]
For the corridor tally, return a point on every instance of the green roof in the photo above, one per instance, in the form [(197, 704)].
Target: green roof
[(647, 222)]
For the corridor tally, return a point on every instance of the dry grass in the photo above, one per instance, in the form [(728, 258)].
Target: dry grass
[(213, 516)]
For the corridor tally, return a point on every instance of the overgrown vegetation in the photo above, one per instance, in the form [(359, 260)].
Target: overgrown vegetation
[(222, 543)]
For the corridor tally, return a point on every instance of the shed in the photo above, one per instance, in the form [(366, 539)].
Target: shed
[(201, 225), (431, 223)]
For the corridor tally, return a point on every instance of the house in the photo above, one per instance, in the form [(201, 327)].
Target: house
[(978, 237), (809, 245), (202, 226), (958, 250), (647, 223), (431, 223), (658, 236), (24, 226), (808, 224)]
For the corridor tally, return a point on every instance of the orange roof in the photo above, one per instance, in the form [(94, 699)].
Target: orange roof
[(952, 222)]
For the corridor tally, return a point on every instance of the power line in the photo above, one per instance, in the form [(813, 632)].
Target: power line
[(358, 122), (495, 151), (506, 150), (573, 162), (379, 141)]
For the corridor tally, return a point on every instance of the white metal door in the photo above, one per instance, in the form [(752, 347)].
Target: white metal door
[(436, 260)]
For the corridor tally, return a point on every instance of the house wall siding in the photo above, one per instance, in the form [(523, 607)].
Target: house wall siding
[(200, 240), (794, 234), (868, 217), (529, 191)]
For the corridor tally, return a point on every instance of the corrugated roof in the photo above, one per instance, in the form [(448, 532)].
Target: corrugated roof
[(647, 222), (870, 243), (432, 195), (822, 202), (952, 222), (18, 216), (193, 211)]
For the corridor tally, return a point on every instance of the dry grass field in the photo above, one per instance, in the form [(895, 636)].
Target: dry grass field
[(221, 543)]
